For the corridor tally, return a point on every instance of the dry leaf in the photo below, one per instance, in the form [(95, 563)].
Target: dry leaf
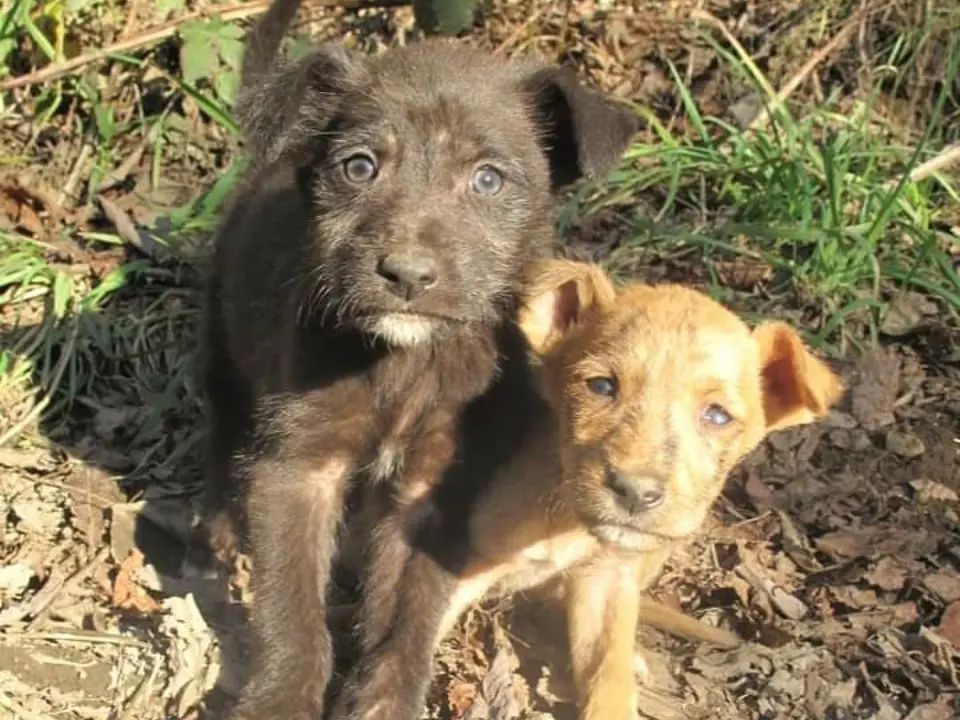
[(944, 584), (127, 593), (192, 643), (873, 397), (942, 709), (905, 444), (931, 491), (907, 312), (460, 696), (950, 623), (14, 579), (887, 574)]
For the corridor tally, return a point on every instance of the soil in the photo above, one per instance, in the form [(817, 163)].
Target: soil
[(834, 551)]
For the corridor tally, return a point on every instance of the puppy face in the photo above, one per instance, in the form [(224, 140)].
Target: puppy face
[(430, 172), (660, 391)]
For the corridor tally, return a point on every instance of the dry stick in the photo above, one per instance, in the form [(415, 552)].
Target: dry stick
[(90, 637), (810, 65), (511, 40), (167, 29), (78, 577), (950, 155)]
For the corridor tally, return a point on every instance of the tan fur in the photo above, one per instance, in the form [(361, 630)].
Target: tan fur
[(673, 352)]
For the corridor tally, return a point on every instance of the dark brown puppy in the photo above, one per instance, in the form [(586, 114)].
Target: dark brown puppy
[(363, 290)]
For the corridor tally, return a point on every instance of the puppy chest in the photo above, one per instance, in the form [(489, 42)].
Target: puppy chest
[(540, 561)]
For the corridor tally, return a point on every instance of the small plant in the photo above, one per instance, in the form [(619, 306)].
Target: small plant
[(445, 17), (823, 198), (212, 50)]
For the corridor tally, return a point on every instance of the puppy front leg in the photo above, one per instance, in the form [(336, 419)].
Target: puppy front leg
[(389, 546), (294, 509), (602, 605), (229, 403), (392, 675)]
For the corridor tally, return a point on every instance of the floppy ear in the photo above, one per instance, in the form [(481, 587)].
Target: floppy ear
[(558, 295), (797, 387), (284, 109), (583, 132)]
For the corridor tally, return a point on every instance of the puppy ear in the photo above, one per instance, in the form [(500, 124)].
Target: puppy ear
[(797, 387), (583, 132), (284, 110), (559, 293)]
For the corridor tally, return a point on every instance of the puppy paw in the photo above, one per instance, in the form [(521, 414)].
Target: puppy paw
[(212, 547)]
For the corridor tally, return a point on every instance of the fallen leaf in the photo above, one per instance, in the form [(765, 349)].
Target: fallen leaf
[(873, 396), (194, 672), (460, 696), (33, 458), (14, 579), (127, 593), (845, 543), (950, 623), (503, 692), (944, 584), (887, 574), (907, 312), (905, 444), (839, 420), (931, 491), (759, 492), (743, 274), (942, 709), (37, 516)]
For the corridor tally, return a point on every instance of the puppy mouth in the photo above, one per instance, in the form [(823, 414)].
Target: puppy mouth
[(375, 314), (627, 537), (405, 328)]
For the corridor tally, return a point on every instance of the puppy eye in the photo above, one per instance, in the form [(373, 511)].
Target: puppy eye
[(716, 416), (603, 386), (360, 168), (486, 180)]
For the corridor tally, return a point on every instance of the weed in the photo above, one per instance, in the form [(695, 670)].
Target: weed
[(820, 194)]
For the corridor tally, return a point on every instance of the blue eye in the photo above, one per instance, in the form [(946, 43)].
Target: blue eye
[(716, 416), (360, 168), (486, 180), (603, 386)]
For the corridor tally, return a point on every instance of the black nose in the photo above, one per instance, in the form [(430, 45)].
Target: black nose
[(409, 274), (635, 493)]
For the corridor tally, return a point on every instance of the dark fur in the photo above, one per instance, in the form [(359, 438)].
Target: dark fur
[(411, 581), (294, 319)]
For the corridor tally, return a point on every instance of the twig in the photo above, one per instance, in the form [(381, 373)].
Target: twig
[(950, 155), (809, 66), (164, 30), (91, 498), (73, 179), (91, 637), (520, 29), (716, 22), (78, 577), (790, 606)]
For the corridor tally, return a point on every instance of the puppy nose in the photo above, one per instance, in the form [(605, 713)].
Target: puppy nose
[(635, 493), (409, 274)]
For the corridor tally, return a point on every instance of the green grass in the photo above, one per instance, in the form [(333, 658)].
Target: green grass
[(821, 196), (818, 194)]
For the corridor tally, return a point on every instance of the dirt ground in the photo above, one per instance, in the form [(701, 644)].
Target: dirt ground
[(834, 551)]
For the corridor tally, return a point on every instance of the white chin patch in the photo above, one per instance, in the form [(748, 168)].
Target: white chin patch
[(625, 538), (402, 330)]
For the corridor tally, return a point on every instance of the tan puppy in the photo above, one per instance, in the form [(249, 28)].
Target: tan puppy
[(658, 393), (654, 393)]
